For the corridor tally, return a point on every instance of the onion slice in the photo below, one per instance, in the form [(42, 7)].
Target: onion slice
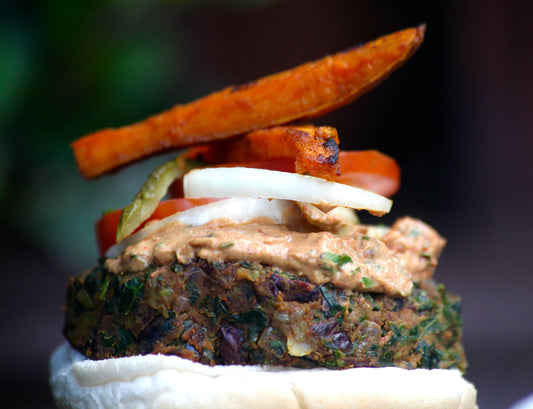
[(251, 182), (238, 210)]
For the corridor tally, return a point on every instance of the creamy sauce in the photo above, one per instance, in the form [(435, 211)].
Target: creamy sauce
[(357, 261), (417, 245)]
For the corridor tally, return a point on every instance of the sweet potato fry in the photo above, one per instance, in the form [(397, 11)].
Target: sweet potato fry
[(306, 91), (314, 149)]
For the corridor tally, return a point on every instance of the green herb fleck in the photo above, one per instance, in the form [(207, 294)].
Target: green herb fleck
[(133, 287), (422, 299), (256, 320), (104, 288), (373, 351), (247, 265), (286, 275), (338, 360), (226, 245), (452, 312), (370, 299), (220, 307), (431, 357), (334, 306), (386, 358), (278, 347), (125, 295), (332, 261), (428, 326), (368, 282), (118, 343)]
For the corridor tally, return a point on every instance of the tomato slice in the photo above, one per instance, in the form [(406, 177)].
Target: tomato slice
[(106, 226), (106, 230), (371, 170)]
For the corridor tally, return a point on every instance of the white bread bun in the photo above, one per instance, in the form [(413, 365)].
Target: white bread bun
[(170, 382)]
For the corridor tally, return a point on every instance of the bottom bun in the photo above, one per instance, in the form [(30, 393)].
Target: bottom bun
[(170, 382)]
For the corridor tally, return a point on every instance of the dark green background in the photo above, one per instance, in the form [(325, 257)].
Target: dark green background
[(457, 117)]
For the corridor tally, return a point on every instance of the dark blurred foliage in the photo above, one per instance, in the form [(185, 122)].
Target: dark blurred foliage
[(456, 117)]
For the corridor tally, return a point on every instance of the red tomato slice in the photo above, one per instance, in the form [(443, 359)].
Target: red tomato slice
[(106, 226), (106, 230), (370, 170)]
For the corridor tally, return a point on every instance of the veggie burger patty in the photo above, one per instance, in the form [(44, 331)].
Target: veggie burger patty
[(252, 313)]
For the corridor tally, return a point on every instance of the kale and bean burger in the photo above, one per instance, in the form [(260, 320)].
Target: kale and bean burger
[(254, 283)]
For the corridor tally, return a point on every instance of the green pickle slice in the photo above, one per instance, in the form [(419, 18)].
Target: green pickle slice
[(153, 190)]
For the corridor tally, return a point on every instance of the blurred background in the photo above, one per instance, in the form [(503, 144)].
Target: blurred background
[(457, 117)]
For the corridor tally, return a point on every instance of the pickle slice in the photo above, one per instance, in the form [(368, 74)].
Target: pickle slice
[(153, 190)]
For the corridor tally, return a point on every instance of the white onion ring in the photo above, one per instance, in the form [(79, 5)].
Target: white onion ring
[(251, 182), (238, 210)]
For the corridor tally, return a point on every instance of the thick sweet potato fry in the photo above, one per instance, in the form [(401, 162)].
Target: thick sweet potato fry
[(314, 149), (306, 91)]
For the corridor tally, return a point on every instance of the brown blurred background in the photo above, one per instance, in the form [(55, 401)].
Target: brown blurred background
[(457, 117)]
